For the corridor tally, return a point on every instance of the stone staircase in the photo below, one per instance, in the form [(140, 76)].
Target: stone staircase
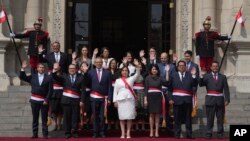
[(16, 117)]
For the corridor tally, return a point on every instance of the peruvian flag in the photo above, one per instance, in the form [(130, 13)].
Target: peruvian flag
[(239, 18), (2, 16)]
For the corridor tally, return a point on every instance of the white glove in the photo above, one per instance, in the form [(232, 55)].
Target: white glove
[(229, 37), (12, 34)]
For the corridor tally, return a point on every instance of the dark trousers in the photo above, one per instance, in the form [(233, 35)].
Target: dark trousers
[(71, 117), (36, 107), (211, 111), (185, 110), (97, 106)]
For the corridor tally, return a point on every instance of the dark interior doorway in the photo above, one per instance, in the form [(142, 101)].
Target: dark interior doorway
[(120, 25)]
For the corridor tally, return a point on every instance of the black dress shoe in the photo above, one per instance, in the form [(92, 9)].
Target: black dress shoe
[(34, 137), (190, 137), (75, 135), (102, 136), (208, 136), (177, 137), (94, 136), (220, 136), (45, 137), (67, 136)]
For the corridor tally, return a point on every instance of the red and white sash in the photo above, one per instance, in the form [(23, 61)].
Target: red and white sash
[(178, 92), (70, 93), (138, 86), (154, 90), (37, 97), (215, 93), (57, 87)]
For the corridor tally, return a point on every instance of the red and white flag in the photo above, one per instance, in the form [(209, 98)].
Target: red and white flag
[(2, 16), (239, 18)]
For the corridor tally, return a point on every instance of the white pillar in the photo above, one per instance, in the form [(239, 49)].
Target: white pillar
[(4, 79), (33, 11)]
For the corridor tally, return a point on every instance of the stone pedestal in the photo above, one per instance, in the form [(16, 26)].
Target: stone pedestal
[(4, 79)]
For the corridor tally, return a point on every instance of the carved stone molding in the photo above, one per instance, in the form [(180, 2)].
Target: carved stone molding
[(185, 20), (57, 20)]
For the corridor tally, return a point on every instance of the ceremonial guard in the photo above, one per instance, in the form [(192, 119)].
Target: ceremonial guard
[(37, 38), (217, 98), (41, 90), (205, 44)]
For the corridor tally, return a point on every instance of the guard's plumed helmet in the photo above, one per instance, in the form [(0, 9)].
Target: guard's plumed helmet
[(38, 21), (207, 21)]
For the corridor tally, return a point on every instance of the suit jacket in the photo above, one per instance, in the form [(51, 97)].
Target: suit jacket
[(104, 86), (50, 59), (187, 84), (78, 86), (35, 38), (219, 85), (44, 90)]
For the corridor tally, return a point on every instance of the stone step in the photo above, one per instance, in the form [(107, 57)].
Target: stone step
[(19, 89), (15, 120)]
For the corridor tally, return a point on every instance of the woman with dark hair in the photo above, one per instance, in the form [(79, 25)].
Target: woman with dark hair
[(154, 99), (82, 56), (112, 111), (105, 56), (124, 99), (128, 62), (139, 90), (86, 109)]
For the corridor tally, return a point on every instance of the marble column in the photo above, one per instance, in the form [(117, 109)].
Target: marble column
[(183, 26)]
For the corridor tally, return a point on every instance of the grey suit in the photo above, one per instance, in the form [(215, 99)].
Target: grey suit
[(217, 94)]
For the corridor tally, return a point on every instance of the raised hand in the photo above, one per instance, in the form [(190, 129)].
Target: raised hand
[(136, 62), (95, 51), (175, 58), (40, 48), (144, 61), (24, 64), (142, 53), (203, 73), (124, 60), (193, 71), (74, 54)]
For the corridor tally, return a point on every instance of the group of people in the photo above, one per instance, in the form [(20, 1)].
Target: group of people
[(105, 91)]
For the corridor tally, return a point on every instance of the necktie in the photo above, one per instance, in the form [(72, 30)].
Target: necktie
[(99, 74), (182, 76), (215, 77), (72, 79)]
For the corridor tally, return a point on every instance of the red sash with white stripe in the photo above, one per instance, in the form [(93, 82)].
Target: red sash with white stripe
[(70, 93), (95, 94), (57, 87), (181, 92), (154, 90), (215, 93), (138, 86), (37, 97)]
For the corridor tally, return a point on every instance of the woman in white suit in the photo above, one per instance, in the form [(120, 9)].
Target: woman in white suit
[(124, 98)]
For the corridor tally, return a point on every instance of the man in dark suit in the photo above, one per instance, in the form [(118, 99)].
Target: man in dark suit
[(37, 37), (54, 57), (189, 66), (72, 99), (218, 96), (41, 90), (180, 95), (101, 90)]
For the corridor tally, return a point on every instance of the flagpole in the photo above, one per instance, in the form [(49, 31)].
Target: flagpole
[(13, 39), (225, 52)]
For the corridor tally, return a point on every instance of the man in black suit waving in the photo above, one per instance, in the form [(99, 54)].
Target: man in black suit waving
[(72, 98), (41, 90)]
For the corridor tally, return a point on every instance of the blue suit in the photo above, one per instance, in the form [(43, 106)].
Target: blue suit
[(102, 89)]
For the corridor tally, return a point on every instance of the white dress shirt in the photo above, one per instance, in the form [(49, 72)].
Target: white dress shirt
[(40, 78)]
